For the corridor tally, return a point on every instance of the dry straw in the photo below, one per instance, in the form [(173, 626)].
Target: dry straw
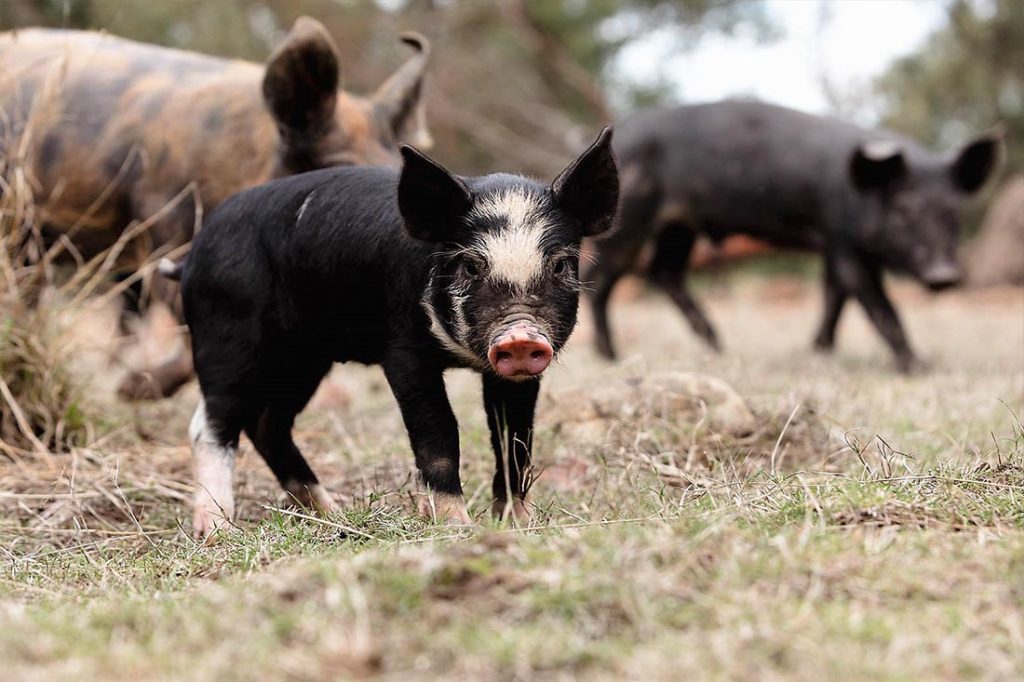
[(43, 280)]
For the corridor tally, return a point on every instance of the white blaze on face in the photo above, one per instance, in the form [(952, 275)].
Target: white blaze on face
[(514, 253)]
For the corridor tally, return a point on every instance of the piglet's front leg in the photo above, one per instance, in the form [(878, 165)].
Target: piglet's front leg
[(419, 389), (510, 410)]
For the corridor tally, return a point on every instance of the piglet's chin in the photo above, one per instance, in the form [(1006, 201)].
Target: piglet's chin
[(520, 352)]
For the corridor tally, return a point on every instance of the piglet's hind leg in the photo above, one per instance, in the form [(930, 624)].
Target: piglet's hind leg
[(293, 385), (213, 452), (273, 440)]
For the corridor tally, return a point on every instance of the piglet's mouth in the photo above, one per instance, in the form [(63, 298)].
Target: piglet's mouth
[(520, 351)]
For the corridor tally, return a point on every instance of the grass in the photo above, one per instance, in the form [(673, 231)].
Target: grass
[(868, 525)]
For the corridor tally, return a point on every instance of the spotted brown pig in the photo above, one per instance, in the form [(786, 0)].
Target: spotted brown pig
[(112, 131)]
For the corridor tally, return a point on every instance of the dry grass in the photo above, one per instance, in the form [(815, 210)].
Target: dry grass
[(48, 289), (40, 403), (49, 292), (867, 525)]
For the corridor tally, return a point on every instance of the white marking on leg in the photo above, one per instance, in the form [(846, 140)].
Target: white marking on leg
[(214, 472)]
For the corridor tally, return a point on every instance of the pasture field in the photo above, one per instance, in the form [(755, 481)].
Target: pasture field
[(869, 525)]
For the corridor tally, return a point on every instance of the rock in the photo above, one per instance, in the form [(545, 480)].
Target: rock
[(675, 397), (677, 391)]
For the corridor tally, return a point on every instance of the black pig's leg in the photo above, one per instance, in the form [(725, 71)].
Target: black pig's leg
[(271, 434), (603, 277), (510, 407), (668, 271), (618, 252), (835, 299), (871, 294), (419, 389)]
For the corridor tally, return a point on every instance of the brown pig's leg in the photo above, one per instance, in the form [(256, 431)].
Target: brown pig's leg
[(161, 381)]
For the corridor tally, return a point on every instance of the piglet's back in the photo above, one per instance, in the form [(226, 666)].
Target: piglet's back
[(301, 222)]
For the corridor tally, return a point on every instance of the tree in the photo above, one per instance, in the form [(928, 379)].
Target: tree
[(515, 84), (967, 77)]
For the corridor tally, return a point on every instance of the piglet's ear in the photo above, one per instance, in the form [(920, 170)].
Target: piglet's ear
[(588, 189), (977, 161), (431, 200)]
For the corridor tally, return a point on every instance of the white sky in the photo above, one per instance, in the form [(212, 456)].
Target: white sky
[(847, 41)]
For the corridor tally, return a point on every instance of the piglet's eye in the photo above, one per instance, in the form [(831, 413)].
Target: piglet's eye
[(563, 266), (471, 269)]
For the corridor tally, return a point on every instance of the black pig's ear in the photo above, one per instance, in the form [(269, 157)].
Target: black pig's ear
[(431, 200), (300, 85), (588, 189), (977, 161), (877, 165)]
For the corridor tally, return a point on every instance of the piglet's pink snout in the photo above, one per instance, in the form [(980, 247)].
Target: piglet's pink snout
[(521, 351)]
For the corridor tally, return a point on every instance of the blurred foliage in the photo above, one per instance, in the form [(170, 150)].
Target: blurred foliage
[(966, 78), (517, 84)]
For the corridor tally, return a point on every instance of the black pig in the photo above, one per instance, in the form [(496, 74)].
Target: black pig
[(870, 200), (418, 272)]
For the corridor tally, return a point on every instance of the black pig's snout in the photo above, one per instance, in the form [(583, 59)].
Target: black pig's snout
[(941, 276)]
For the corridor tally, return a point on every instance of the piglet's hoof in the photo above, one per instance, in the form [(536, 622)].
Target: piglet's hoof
[(451, 509), (157, 382), (604, 349), (518, 512), (313, 497), (911, 364), (207, 524), (824, 345)]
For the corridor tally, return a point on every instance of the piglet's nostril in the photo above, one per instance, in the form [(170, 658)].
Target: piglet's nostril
[(520, 351)]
